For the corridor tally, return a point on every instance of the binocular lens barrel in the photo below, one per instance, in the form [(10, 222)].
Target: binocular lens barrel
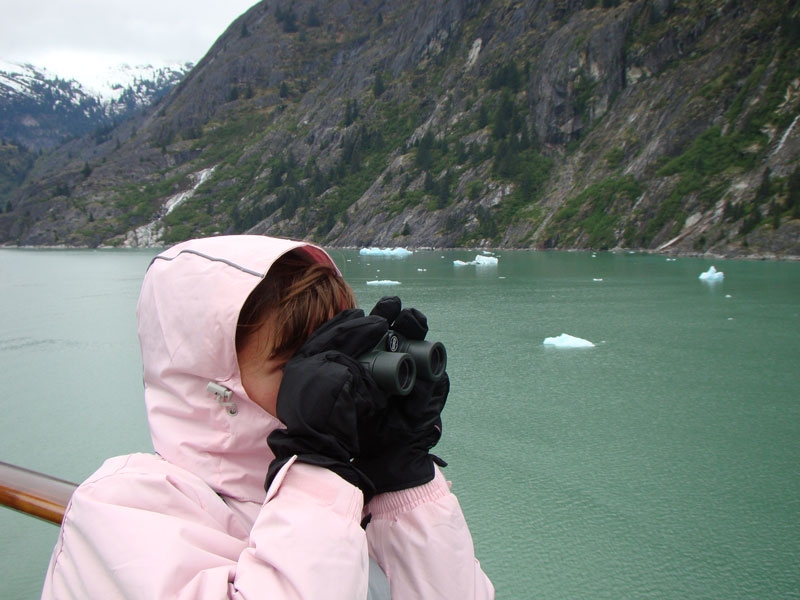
[(394, 372), (430, 358), (396, 363)]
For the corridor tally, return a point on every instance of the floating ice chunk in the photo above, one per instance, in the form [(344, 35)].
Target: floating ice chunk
[(711, 275), (396, 252), (567, 341), (383, 282), (484, 261), (597, 279)]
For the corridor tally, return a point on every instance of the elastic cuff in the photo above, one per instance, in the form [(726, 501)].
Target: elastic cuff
[(390, 504)]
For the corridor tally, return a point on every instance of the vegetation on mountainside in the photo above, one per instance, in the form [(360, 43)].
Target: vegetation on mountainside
[(595, 125), (15, 162), (288, 186), (595, 217), (715, 156), (755, 92)]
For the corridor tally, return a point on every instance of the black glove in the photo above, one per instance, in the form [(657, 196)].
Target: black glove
[(326, 395), (396, 455)]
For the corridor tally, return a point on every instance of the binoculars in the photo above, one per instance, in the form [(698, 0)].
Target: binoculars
[(396, 362)]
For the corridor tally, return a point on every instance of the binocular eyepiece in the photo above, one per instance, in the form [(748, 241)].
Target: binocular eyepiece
[(396, 362)]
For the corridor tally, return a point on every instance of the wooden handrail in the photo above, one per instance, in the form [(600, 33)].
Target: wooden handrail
[(34, 493)]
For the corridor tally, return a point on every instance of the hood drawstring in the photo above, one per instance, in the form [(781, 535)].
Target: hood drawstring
[(223, 395)]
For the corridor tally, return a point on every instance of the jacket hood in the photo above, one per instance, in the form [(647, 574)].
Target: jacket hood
[(187, 312)]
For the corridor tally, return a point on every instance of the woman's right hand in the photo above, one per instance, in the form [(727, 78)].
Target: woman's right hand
[(326, 395)]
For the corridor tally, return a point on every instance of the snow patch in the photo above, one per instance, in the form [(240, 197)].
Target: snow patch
[(109, 82), (198, 179), (785, 135), (150, 235), (474, 51)]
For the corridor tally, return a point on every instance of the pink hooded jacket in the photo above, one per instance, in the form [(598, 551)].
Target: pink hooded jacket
[(193, 521)]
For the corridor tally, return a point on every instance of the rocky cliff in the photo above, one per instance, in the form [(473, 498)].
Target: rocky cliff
[(662, 125)]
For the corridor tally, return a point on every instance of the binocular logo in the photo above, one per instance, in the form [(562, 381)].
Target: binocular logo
[(392, 342)]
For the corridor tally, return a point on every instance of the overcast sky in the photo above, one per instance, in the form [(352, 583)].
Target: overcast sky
[(69, 37)]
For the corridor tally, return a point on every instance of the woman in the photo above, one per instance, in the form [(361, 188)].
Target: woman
[(272, 446)]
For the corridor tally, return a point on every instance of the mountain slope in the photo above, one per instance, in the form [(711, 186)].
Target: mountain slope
[(653, 124)]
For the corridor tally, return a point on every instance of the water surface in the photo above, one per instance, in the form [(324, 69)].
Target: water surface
[(662, 463)]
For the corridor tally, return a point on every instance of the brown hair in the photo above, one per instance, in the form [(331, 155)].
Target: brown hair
[(296, 296)]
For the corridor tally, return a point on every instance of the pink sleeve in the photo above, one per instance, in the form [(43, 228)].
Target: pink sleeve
[(149, 534), (422, 542), (309, 536)]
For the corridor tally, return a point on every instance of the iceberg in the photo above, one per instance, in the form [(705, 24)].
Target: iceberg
[(383, 282), (396, 252), (567, 341), (711, 275), (486, 261)]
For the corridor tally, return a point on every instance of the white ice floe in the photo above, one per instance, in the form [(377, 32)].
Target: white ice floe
[(396, 252), (711, 275), (383, 282), (567, 341), (483, 261)]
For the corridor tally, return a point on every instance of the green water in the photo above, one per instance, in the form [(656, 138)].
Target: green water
[(662, 463)]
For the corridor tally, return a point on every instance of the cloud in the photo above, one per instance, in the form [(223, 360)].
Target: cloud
[(108, 31)]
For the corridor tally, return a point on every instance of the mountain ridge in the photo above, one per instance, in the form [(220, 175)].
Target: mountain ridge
[(651, 125), (69, 107)]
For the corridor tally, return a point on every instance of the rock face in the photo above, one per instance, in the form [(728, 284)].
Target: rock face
[(646, 124)]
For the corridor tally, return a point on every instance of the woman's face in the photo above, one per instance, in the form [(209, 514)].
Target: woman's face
[(261, 375)]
